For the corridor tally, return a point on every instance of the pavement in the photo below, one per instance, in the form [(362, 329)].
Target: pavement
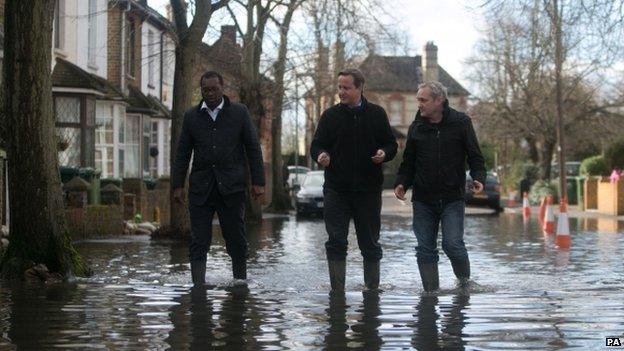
[(573, 212)]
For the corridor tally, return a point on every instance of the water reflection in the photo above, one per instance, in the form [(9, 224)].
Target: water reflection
[(336, 333), (529, 295), (452, 319), (366, 329)]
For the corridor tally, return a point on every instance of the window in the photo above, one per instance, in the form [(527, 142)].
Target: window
[(145, 144), (59, 15), (153, 160), (104, 144), (396, 112), (67, 111), (166, 149), (92, 46), (132, 155), (130, 64), (121, 141), (150, 58)]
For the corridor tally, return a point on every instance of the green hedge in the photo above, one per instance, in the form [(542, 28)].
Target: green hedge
[(614, 156), (594, 166)]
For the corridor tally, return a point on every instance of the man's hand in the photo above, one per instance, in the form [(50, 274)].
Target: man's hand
[(379, 157), (399, 192), (477, 187), (257, 191), (178, 195), (323, 159)]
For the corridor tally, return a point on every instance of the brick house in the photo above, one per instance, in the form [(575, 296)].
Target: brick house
[(392, 82)]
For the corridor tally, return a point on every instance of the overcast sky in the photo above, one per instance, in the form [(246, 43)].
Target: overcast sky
[(450, 24)]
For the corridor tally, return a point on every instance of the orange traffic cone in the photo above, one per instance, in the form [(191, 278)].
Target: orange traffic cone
[(511, 201), (526, 208), (549, 218), (542, 210), (563, 239)]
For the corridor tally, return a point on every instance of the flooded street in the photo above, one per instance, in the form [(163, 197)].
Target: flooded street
[(527, 294)]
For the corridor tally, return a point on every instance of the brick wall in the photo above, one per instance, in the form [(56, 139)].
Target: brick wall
[(94, 221), (135, 79), (147, 200), (114, 44)]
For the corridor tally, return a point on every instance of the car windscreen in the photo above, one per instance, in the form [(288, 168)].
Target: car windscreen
[(314, 180)]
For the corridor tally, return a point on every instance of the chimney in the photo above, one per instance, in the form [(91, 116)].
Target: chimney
[(431, 62), (229, 32)]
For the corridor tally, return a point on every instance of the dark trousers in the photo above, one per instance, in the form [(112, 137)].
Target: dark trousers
[(231, 213), (427, 220), (365, 209)]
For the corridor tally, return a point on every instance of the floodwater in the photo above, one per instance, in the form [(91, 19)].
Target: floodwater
[(526, 295)]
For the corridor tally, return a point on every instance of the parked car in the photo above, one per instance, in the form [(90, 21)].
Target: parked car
[(309, 198), (296, 175), (490, 196)]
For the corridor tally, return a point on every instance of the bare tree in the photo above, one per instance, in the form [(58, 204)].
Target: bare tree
[(280, 199), (38, 230), (252, 28), (345, 32), (525, 72), (188, 39)]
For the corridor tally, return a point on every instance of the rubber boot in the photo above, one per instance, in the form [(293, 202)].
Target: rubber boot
[(198, 272), (461, 268), (371, 275), (239, 268), (337, 272), (429, 276)]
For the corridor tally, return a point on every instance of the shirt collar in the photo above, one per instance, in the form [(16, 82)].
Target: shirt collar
[(205, 106)]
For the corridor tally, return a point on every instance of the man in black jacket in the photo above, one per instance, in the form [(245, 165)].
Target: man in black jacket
[(352, 140), (438, 143), (222, 139)]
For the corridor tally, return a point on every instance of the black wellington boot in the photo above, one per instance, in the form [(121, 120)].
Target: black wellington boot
[(337, 272), (429, 276), (239, 268), (461, 268), (198, 272), (371, 275)]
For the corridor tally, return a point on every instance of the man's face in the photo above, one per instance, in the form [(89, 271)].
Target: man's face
[(428, 106), (211, 90), (347, 92)]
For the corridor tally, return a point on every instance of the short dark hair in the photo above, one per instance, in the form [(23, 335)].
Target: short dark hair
[(211, 74), (358, 76)]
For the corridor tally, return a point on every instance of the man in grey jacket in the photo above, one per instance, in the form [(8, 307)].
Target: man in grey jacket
[(223, 140)]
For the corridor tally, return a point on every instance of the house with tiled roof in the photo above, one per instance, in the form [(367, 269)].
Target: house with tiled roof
[(112, 83), (392, 82)]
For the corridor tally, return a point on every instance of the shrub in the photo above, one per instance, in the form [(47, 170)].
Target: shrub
[(614, 156), (542, 188), (594, 166)]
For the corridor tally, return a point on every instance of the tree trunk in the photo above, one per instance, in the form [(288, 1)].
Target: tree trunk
[(250, 90), (37, 227), (182, 99), (546, 152), (280, 200), (533, 151)]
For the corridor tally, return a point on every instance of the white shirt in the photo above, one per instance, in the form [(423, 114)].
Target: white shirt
[(215, 112)]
